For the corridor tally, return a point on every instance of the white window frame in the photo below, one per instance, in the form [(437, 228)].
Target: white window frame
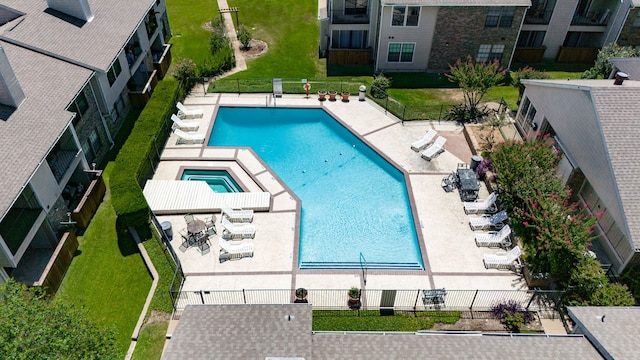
[(489, 50), (402, 44), (405, 15)]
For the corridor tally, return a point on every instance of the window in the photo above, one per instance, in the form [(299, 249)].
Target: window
[(349, 39), (405, 16), (79, 106), (500, 16), (355, 7), (526, 115), (531, 39), (636, 20), (400, 52), (113, 72), (488, 52)]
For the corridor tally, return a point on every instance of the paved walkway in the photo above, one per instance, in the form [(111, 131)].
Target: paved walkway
[(452, 260)]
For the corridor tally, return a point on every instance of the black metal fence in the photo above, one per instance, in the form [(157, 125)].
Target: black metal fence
[(375, 299)]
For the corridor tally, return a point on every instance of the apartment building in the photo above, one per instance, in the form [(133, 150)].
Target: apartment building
[(69, 72)]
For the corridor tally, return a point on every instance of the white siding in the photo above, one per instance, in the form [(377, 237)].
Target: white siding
[(558, 26)]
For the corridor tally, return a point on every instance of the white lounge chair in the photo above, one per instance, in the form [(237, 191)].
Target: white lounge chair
[(495, 238), (184, 125), (185, 113), (237, 214), (232, 230), (424, 140), (188, 138), (503, 260), (494, 221), (229, 251), (436, 148), (487, 205), (277, 87)]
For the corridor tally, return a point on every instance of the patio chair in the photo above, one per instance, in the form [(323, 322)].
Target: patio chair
[(203, 244), (242, 231), (229, 251), (449, 183), (185, 113), (436, 148), (495, 238), (487, 205), (188, 138), (189, 218), (210, 222), (425, 140), (505, 260), (186, 242), (183, 125), (495, 221), (237, 214)]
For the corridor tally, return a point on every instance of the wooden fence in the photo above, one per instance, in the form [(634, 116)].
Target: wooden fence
[(89, 203), (58, 264)]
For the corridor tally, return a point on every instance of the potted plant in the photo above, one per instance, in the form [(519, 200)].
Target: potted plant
[(301, 295), (322, 95), (354, 298), (332, 95), (345, 96)]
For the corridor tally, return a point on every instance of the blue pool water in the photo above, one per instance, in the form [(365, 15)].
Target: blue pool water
[(218, 180), (353, 201)]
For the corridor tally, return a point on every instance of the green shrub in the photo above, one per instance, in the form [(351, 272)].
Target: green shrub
[(631, 278), (134, 161), (379, 86), (244, 35), (612, 295)]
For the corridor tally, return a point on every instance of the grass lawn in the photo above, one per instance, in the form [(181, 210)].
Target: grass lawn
[(107, 276), (291, 30), (370, 320), (190, 39)]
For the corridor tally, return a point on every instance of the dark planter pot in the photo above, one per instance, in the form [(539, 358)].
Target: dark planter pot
[(354, 303), (301, 296), (332, 95)]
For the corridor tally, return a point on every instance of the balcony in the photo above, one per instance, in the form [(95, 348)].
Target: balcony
[(577, 55), (528, 55), (538, 17), (60, 161), (591, 18), (140, 93), (350, 16), (162, 60)]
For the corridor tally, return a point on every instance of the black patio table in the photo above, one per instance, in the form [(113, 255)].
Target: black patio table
[(468, 185)]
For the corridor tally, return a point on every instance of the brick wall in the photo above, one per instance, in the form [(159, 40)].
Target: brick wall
[(630, 36), (460, 31)]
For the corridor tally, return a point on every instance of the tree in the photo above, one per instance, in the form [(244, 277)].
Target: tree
[(475, 79), (602, 67), (34, 327), (526, 73)]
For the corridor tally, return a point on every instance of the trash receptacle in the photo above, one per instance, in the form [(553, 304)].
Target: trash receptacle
[(363, 93), (475, 161), (166, 228)]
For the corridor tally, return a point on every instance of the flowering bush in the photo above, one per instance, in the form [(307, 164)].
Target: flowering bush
[(512, 315), (184, 69), (485, 165)]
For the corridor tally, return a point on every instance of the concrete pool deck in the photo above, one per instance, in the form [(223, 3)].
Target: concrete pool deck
[(451, 258)]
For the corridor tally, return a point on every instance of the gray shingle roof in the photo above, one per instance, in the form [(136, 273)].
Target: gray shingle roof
[(631, 66), (28, 133), (459, 2), (94, 44), (258, 331), (241, 332), (617, 335)]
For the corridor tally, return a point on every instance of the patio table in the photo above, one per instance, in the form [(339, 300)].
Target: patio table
[(196, 226), (468, 185)]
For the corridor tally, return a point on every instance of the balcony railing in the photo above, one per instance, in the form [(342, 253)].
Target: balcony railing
[(538, 17), (349, 16), (60, 162), (591, 18), (162, 60), (140, 95)]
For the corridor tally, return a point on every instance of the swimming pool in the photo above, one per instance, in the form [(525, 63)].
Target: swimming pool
[(219, 181), (354, 203)]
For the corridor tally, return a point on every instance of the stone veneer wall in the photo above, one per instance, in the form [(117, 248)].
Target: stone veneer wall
[(91, 121), (460, 31), (630, 36)]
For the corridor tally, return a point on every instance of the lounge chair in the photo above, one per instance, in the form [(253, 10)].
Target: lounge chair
[(277, 87), (229, 251), (184, 125), (232, 230), (188, 138), (424, 140), (487, 205), (185, 113), (505, 260), (495, 238), (237, 214), (495, 221), (436, 148)]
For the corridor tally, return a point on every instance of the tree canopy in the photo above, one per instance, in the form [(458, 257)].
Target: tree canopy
[(475, 78), (34, 327), (602, 67)]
